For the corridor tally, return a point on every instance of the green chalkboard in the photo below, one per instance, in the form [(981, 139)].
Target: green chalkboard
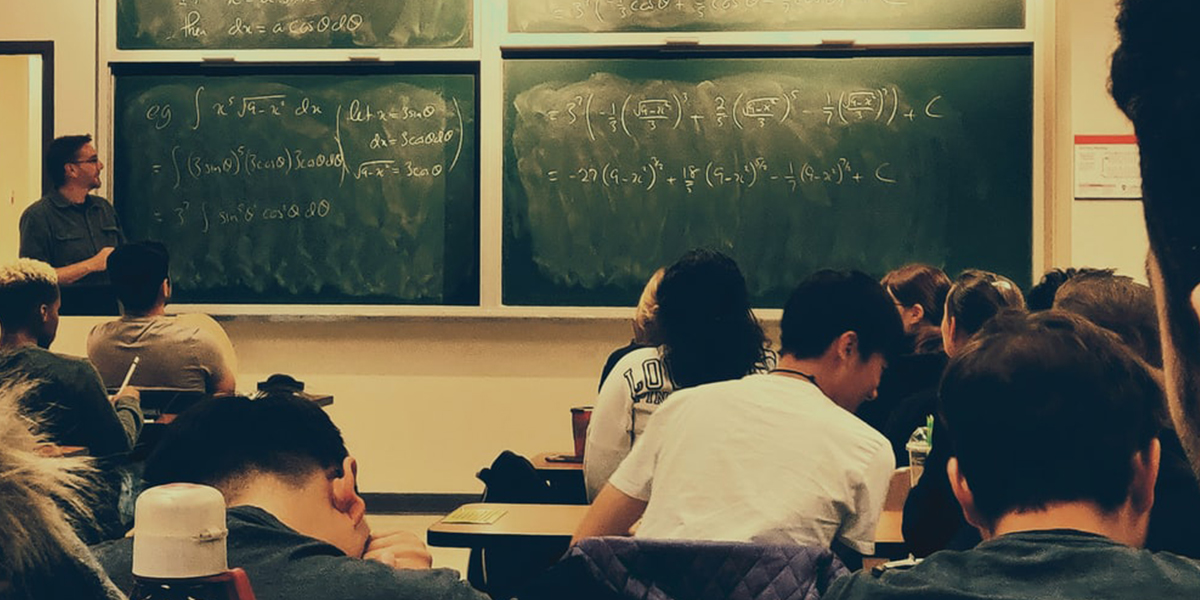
[(614, 167), (248, 24), (297, 187), (545, 16)]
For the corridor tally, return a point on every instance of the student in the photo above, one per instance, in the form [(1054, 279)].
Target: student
[(645, 330), (708, 334), (296, 520), (68, 399), (932, 517), (771, 458), (1041, 296), (1154, 71), (1052, 422), (1125, 307), (919, 293), (188, 351), (40, 555)]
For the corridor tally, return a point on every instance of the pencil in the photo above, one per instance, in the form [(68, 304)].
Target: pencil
[(129, 375)]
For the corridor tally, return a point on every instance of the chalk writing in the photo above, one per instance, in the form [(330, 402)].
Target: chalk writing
[(781, 15), (293, 23)]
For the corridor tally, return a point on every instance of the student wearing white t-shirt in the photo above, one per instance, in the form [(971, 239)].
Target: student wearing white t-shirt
[(777, 457)]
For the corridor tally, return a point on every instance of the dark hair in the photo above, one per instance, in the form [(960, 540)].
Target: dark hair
[(977, 296), (1041, 295), (25, 285), (1153, 80), (137, 271), (704, 320), (927, 286), (829, 303), (1118, 304), (221, 441), (1047, 407), (60, 152)]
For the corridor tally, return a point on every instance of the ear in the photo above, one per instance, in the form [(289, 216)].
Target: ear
[(345, 492), (914, 314), (952, 327), (165, 290), (1145, 476), (966, 499), (846, 345)]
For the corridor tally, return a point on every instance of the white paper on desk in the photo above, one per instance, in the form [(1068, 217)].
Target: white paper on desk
[(474, 516)]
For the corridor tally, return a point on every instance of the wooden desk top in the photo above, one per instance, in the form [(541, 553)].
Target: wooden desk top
[(560, 520), (540, 463), (545, 521)]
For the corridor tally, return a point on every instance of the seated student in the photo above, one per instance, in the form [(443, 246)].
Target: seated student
[(1126, 308), (919, 293), (296, 521), (1041, 295), (68, 399), (708, 334), (40, 555), (975, 297), (932, 518), (1052, 423), (645, 331), (188, 351), (771, 458)]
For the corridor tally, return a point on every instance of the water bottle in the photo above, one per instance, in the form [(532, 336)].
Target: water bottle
[(179, 546)]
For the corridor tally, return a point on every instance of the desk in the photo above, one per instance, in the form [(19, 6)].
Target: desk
[(565, 477), (541, 463), (558, 521)]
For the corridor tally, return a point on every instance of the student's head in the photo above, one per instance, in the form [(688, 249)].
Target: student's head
[(645, 326), (278, 446), (72, 158), (1047, 408), (1154, 74), (704, 320), (919, 294), (39, 549), (139, 273), (1041, 295), (1118, 304), (848, 318), (29, 300), (975, 297)]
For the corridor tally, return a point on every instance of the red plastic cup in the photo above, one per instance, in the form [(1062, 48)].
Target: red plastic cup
[(580, 417)]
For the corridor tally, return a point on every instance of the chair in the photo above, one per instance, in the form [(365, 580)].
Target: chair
[(612, 568)]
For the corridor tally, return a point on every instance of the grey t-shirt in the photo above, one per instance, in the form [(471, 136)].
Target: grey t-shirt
[(188, 351), (1059, 564)]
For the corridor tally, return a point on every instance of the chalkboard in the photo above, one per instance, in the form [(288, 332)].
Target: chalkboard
[(614, 167), (761, 15), (245, 24), (298, 187)]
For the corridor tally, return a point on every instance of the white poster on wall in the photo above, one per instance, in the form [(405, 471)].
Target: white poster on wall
[(1107, 167)]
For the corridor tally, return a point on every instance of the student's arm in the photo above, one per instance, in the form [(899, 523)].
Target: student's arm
[(858, 529), (110, 426), (613, 513), (608, 437)]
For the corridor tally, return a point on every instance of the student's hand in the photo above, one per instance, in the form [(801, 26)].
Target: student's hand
[(399, 550), (99, 262), (126, 392)]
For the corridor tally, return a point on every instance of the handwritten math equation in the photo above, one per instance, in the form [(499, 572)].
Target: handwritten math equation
[(406, 140), (713, 175), (195, 25), (638, 115), (612, 13)]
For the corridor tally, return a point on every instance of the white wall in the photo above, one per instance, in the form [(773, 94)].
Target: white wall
[(424, 403), (1106, 233), (20, 128)]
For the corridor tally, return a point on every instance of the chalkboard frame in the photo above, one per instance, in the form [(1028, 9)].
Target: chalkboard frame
[(1023, 278), (467, 253)]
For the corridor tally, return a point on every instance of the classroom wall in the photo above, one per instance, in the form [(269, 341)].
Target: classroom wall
[(424, 403), (1104, 233)]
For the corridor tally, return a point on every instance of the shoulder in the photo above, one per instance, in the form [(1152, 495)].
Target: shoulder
[(37, 209)]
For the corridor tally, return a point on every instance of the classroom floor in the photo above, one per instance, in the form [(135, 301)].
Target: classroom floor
[(452, 558)]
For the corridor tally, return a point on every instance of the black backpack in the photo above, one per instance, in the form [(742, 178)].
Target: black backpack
[(501, 568)]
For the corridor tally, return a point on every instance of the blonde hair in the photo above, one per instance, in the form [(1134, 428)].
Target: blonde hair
[(27, 271), (35, 492), (645, 331)]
